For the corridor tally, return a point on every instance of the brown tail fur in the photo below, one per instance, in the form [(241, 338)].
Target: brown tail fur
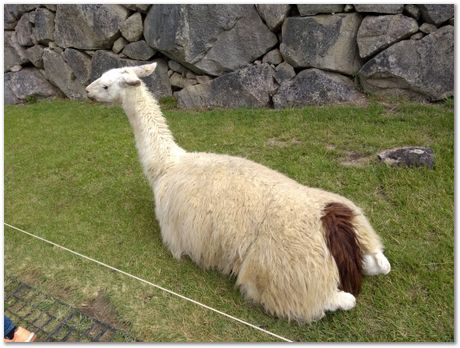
[(344, 246)]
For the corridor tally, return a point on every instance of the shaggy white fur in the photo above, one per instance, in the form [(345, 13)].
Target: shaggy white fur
[(238, 216)]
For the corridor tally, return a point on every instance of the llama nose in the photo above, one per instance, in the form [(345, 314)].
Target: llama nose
[(88, 93)]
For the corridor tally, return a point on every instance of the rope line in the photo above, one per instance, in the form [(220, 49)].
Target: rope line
[(151, 284)]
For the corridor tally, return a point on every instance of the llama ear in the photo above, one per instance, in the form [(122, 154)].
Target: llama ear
[(130, 80), (144, 70)]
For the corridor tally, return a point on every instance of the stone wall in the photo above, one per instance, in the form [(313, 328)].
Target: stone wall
[(234, 55)]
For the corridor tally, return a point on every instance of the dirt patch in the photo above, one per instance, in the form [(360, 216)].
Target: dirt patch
[(102, 309), (355, 159), (275, 142)]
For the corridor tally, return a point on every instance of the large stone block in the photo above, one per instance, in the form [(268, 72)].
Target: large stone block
[(35, 55), (9, 17), (212, 39), (88, 26), (44, 25), (158, 83), (13, 12), (273, 14), (138, 50), (419, 69), (437, 13), (380, 8), (247, 87), (13, 53), (8, 95), (323, 41), (316, 87), (28, 82), (132, 27), (408, 156), (24, 30), (309, 10), (378, 32), (284, 72), (61, 75), (80, 63)]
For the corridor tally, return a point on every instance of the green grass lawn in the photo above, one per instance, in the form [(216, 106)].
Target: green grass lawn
[(72, 176)]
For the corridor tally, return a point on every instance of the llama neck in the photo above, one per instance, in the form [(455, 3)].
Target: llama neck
[(154, 141)]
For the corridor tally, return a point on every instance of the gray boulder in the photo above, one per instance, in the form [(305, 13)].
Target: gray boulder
[(385, 9), (24, 31), (284, 72), (59, 73), (158, 83), (211, 39), (378, 32), (10, 57), (309, 10), (273, 57), (9, 18), (13, 12), (44, 25), (408, 156), (132, 28), (316, 87), (138, 50), (26, 83), (273, 14), (428, 28), (80, 63), (247, 87), (412, 11), (13, 53), (437, 13), (35, 55), (88, 26), (17, 10), (323, 41), (8, 94), (419, 69), (119, 44)]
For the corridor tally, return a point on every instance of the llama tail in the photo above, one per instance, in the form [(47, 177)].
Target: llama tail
[(341, 239)]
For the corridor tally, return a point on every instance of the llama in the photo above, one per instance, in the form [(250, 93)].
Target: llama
[(295, 250)]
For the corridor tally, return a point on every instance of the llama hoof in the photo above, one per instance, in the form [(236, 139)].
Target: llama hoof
[(342, 300), (347, 301), (374, 264)]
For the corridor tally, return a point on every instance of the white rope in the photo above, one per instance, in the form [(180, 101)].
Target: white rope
[(151, 284)]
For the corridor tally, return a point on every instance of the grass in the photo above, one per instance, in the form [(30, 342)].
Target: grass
[(72, 176)]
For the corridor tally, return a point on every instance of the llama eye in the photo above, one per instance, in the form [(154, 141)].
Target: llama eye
[(105, 87)]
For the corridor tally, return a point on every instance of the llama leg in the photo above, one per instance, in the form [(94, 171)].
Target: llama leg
[(341, 300), (376, 263)]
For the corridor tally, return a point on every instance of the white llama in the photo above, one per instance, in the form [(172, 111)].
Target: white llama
[(297, 251)]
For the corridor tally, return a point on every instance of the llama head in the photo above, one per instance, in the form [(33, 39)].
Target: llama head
[(111, 86)]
